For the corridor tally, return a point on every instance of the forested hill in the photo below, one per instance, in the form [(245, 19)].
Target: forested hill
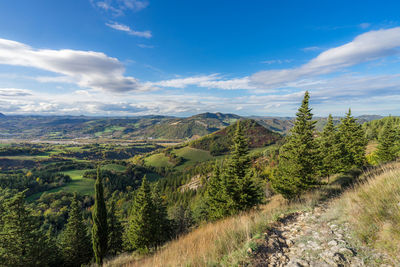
[(153, 127), (221, 141), (191, 127), (142, 127)]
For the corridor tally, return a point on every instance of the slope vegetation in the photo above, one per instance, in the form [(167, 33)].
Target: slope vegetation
[(357, 228), (220, 142)]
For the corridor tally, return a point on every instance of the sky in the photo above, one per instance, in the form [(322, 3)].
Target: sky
[(255, 57)]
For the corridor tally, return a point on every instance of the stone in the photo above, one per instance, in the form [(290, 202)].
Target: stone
[(332, 243)]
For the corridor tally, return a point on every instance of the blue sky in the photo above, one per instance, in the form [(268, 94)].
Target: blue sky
[(138, 57)]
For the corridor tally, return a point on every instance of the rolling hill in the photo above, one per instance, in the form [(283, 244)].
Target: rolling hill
[(219, 143), (141, 127)]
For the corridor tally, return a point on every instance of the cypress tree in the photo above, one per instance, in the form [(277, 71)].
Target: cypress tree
[(353, 143), (75, 241), (387, 150), (21, 242), (298, 156), (100, 227), (114, 231), (329, 149), (140, 229)]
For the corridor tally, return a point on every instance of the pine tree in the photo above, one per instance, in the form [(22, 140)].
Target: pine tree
[(100, 227), (141, 224), (162, 225), (241, 188), (53, 255), (235, 189), (216, 197), (387, 150), (75, 241), (353, 143), (21, 241), (115, 231), (251, 192), (329, 149), (182, 218), (298, 156)]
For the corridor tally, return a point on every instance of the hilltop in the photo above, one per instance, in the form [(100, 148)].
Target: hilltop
[(191, 127), (220, 142)]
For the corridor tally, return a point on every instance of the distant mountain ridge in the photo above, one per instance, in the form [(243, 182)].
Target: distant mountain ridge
[(141, 127)]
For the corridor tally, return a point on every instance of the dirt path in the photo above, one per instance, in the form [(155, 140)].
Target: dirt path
[(313, 239)]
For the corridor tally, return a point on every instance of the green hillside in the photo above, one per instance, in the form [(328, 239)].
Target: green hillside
[(219, 143), (195, 126)]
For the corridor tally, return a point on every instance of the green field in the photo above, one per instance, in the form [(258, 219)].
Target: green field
[(78, 184), (27, 157), (192, 156), (158, 160)]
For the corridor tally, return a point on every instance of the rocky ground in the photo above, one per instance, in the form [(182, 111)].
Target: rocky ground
[(314, 238)]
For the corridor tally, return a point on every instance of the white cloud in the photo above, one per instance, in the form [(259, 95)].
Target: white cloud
[(207, 81), (145, 46), (13, 92), (88, 69), (276, 61), (365, 25), (311, 48), (127, 29), (365, 47), (119, 7)]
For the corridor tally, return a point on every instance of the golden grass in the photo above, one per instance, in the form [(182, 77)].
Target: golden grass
[(223, 243), (373, 209)]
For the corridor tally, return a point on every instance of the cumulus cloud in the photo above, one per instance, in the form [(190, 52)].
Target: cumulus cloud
[(88, 69), (365, 47), (127, 29), (119, 7)]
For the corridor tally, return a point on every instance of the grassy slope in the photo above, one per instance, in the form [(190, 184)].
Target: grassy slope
[(192, 156), (372, 207), (78, 184), (158, 160)]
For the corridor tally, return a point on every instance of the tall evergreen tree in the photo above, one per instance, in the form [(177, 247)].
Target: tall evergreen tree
[(100, 227), (75, 241), (353, 143), (141, 223), (298, 156), (387, 149), (235, 188), (21, 241), (115, 231), (329, 149), (241, 187), (216, 197), (162, 225)]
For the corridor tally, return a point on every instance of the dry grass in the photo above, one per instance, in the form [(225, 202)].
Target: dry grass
[(225, 242), (221, 243), (373, 209)]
